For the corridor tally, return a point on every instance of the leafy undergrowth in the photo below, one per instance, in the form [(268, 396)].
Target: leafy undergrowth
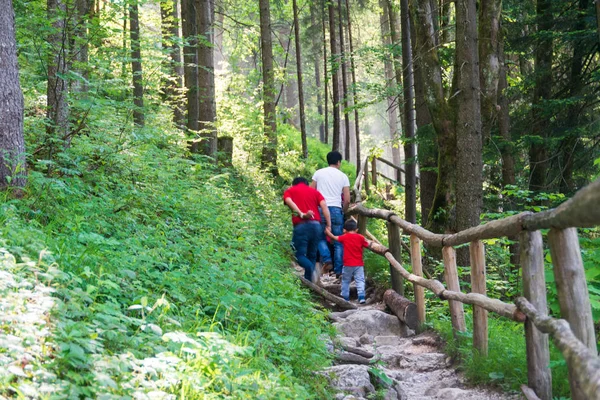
[(171, 280)]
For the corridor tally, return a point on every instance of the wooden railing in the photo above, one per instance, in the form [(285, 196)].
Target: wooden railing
[(375, 172), (573, 334)]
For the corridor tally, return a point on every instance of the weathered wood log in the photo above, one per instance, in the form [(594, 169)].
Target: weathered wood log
[(365, 176), (359, 180), (573, 297), (478, 285), (494, 305), (351, 358), (457, 312), (326, 295), (225, 151), (539, 376), (356, 350), (417, 269), (394, 240), (580, 211), (583, 361), (529, 393), (391, 164), (401, 307), (509, 226), (362, 224), (374, 172)]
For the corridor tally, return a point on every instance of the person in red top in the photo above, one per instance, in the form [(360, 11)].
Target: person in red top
[(354, 244), (304, 202)]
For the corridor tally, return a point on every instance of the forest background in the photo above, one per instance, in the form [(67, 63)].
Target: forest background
[(109, 160)]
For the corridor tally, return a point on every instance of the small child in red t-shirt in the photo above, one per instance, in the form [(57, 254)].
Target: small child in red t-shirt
[(354, 243)]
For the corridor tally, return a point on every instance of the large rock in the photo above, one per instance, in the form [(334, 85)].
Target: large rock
[(371, 322), (350, 378)]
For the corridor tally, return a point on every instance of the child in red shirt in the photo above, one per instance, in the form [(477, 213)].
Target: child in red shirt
[(353, 243)]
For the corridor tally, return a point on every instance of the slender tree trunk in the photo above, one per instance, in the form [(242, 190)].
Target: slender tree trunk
[(335, 64), (124, 48), (428, 153), (218, 26), (80, 46), (317, 45), (538, 151), (269, 151), (207, 108), (440, 216), (190, 67), (446, 14), (300, 86), (170, 38), (12, 144), (469, 165), (344, 82), (354, 91), (325, 75), (136, 65), (506, 147), (392, 109), (410, 183), (58, 106), (489, 65)]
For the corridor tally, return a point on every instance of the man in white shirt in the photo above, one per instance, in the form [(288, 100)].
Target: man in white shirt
[(334, 185)]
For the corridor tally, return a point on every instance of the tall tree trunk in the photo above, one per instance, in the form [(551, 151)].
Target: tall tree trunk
[(569, 145), (538, 151), (207, 108), (124, 48), (190, 67), (219, 31), (344, 82), (440, 216), (506, 146), (269, 151), (325, 75), (12, 145), (58, 106), (335, 62), (390, 83), (317, 46), (354, 93), (80, 46), (489, 65), (136, 65), (446, 14), (469, 162), (300, 86), (428, 153), (169, 12), (410, 183)]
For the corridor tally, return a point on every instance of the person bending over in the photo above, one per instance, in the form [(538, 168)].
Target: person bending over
[(354, 244)]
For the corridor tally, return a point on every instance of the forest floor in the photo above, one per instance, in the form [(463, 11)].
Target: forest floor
[(403, 366)]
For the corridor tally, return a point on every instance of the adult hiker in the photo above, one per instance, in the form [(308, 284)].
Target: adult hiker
[(334, 185), (305, 202)]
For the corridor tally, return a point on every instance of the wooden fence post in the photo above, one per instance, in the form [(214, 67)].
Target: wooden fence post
[(362, 224), (417, 269), (395, 247), (573, 297), (366, 175), (374, 171), (478, 285), (539, 376), (457, 312)]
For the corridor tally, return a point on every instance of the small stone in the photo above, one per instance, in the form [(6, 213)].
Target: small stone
[(366, 339)]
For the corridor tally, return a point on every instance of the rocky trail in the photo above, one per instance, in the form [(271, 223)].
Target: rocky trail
[(375, 353)]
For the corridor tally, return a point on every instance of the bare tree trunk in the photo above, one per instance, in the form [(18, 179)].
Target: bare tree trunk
[(207, 108), (446, 13), (80, 45), (169, 12), (325, 75), (392, 109), (344, 82), (506, 147), (316, 45), (269, 151), (469, 165), (410, 183), (58, 106), (354, 94), (219, 31), (12, 144), (440, 217), (190, 67), (300, 86), (538, 151), (489, 65), (136, 65), (335, 57)]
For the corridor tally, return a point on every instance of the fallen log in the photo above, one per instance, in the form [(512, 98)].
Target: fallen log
[(326, 295), (404, 309), (356, 350), (351, 358)]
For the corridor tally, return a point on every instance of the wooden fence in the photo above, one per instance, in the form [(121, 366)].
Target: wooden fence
[(573, 334)]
